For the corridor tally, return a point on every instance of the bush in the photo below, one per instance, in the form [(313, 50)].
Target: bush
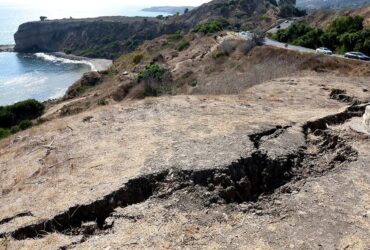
[(154, 79), (176, 36), (183, 44), (137, 58), (210, 27), (102, 102), (217, 54), (4, 133), (68, 51), (26, 110), (23, 125), (152, 71)]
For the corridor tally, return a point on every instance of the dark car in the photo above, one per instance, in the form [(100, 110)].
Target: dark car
[(357, 55)]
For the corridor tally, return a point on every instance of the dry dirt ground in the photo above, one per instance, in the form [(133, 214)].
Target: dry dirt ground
[(197, 71), (274, 167)]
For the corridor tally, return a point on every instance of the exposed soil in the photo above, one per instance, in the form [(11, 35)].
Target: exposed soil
[(226, 163)]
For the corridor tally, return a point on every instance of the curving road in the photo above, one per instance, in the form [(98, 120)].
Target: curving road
[(270, 42)]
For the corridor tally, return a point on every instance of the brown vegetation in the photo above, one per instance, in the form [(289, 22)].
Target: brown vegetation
[(322, 18)]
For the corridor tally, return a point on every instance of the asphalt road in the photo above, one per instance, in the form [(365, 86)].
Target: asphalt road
[(274, 43), (283, 25)]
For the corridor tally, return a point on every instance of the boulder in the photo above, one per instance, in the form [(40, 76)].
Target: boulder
[(91, 78), (88, 80)]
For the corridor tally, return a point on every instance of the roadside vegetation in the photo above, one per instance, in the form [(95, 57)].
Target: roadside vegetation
[(17, 117), (345, 33)]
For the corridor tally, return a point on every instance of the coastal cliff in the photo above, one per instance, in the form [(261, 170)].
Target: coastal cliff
[(104, 37), (109, 37)]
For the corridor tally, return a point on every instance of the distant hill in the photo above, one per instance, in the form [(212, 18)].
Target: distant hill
[(168, 9), (331, 4)]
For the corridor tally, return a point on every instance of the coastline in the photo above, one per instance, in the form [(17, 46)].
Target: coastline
[(97, 64)]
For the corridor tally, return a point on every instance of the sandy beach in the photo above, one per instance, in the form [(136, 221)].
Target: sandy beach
[(96, 63)]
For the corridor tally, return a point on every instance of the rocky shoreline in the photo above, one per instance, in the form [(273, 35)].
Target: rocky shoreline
[(7, 48)]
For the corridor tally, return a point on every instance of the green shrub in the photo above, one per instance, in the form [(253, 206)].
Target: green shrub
[(176, 36), (15, 129), (25, 124), (68, 51), (182, 45), (152, 71), (4, 133), (137, 58), (210, 27), (217, 54), (153, 77), (26, 110), (102, 102)]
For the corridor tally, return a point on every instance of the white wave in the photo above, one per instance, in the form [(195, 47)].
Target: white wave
[(25, 80), (58, 93), (55, 59)]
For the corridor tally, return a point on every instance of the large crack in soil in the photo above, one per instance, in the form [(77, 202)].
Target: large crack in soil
[(244, 180)]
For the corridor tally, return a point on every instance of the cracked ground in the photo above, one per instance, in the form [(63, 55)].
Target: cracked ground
[(272, 168)]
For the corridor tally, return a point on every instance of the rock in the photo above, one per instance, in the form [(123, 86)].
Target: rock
[(91, 78)]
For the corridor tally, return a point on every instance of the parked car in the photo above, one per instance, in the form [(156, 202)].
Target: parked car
[(357, 55), (324, 51)]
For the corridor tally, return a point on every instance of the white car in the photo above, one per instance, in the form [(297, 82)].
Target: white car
[(324, 51)]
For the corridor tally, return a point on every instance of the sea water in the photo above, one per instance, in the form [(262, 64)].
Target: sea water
[(41, 76)]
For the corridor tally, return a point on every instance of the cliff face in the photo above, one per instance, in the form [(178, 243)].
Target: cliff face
[(109, 37), (103, 37)]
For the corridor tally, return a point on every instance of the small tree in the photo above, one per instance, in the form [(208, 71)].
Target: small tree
[(43, 18), (186, 10)]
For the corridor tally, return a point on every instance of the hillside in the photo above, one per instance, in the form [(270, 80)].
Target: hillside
[(109, 37), (169, 172), (332, 4), (215, 64), (322, 18), (192, 140)]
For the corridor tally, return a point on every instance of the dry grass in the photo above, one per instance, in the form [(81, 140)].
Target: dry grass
[(231, 75)]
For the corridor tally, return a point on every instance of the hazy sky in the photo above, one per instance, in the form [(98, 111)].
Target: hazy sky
[(77, 3)]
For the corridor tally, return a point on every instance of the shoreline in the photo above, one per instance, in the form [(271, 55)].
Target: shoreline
[(97, 64)]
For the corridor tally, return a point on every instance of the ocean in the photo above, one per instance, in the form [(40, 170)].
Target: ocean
[(41, 76)]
